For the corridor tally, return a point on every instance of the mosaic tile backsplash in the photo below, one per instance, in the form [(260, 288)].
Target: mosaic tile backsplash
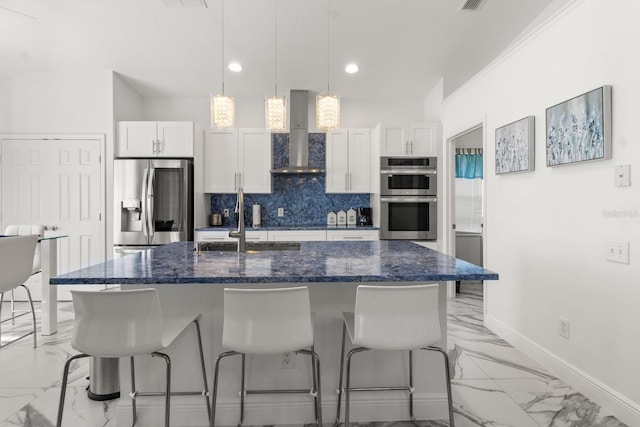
[(302, 196)]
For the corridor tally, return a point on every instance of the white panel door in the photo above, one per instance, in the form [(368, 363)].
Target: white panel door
[(57, 183), (359, 161), (221, 162), (254, 160), (337, 161), (175, 139)]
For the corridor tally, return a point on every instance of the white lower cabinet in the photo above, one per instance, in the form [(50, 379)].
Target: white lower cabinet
[(223, 236), (352, 235), (297, 235), (288, 235)]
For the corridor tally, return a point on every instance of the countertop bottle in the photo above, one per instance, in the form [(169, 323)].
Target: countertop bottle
[(351, 217), (332, 219)]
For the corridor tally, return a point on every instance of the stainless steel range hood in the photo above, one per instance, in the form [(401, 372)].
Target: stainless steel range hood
[(298, 136)]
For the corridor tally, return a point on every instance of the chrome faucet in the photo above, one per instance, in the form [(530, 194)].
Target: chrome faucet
[(240, 233)]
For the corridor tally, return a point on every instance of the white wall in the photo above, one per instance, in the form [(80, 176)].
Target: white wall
[(69, 101), (546, 230)]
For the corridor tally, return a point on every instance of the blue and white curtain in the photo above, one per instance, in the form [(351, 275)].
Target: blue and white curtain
[(469, 163)]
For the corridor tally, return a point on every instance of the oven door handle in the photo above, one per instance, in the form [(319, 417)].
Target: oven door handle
[(407, 172), (407, 199)]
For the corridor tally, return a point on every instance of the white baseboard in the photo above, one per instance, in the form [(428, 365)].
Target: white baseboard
[(622, 407), (190, 411)]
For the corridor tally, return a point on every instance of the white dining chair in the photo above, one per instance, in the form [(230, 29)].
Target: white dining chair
[(25, 230), (113, 324), (268, 321), (400, 317), (16, 262)]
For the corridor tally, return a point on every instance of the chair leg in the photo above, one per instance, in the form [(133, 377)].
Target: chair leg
[(243, 390), (344, 337), (314, 370), (167, 403), (448, 379), (63, 386), (317, 387), (347, 394), (133, 392), (413, 418), (13, 308), (204, 369), (214, 393), (33, 316)]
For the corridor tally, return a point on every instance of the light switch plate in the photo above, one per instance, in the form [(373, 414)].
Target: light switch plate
[(623, 175)]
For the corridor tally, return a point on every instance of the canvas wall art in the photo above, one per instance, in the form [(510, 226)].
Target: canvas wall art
[(579, 129), (515, 146)]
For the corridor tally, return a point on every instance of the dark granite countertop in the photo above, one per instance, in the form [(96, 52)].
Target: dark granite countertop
[(294, 228), (336, 261)]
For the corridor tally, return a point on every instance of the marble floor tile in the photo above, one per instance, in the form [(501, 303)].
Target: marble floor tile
[(494, 385)]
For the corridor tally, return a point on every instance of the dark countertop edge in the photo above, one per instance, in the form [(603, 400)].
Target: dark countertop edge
[(290, 228), (256, 280)]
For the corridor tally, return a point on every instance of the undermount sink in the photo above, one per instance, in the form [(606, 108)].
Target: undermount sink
[(252, 247)]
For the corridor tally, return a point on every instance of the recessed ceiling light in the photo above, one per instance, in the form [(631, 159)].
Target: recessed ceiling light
[(235, 67), (352, 68)]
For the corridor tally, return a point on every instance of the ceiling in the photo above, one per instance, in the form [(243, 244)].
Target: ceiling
[(163, 48)]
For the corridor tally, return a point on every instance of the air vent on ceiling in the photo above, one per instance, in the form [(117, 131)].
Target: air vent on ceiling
[(471, 4)]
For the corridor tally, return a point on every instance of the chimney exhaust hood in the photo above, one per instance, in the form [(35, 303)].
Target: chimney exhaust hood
[(298, 136)]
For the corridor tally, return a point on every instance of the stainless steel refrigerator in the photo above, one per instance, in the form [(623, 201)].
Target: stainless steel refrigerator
[(153, 203)]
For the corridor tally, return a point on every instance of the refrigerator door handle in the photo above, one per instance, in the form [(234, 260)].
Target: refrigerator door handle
[(150, 219), (145, 210)]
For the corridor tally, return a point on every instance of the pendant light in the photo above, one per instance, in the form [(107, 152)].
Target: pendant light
[(275, 106), (327, 103), (223, 107)]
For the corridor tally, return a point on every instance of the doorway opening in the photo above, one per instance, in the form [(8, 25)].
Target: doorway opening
[(467, 202)]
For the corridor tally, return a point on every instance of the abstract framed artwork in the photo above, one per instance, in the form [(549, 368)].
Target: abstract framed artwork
[(515, 145), (579, 130)]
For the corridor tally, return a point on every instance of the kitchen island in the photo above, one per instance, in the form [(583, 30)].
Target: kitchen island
[(190, 280)]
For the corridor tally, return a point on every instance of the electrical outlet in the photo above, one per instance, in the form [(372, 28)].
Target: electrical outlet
[(226, 213), (280, 212), (288, 360), (617, 252), (563, 327)]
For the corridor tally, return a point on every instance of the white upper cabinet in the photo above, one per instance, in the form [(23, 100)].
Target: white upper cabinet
[(348, 161), (414, 139), (155, 139), (238, 158)]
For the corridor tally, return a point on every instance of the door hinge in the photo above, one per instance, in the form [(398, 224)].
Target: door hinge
[(100, 217)]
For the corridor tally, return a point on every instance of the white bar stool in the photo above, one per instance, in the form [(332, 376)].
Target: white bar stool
[(130, 323), (268, 321), (16, 261), (392, 318)]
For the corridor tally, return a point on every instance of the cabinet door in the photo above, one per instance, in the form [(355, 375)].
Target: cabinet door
[(175, 139), (394, 141), (254, 160), (337, 161), (297, 235), (136, 139), (423, 139), (352, 234), (359, 161), (221, 162)]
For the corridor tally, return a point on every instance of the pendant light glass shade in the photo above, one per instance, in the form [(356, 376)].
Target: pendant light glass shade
[(223, 111), (276, 113), (327, 111)]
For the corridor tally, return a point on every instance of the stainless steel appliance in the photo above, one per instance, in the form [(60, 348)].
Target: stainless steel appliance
[(408, 176), (364, 216), (153, 203), (408, 203)]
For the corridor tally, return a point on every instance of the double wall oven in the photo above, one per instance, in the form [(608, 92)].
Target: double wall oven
[(408, 204)]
